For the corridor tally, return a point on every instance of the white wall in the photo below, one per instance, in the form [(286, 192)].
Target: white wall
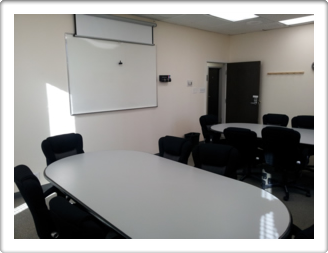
[(41, 90), (39, 59), (41, 85), (282, 50)]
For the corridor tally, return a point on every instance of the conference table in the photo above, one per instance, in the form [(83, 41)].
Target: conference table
[(145, 196), (307, 135)]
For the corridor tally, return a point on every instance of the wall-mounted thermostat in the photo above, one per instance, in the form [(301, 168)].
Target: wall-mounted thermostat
[(165, 78)]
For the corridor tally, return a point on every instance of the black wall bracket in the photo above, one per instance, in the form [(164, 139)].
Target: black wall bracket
[(165, 78)]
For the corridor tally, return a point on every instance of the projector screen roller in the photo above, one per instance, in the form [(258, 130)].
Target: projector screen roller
[(108, 28)]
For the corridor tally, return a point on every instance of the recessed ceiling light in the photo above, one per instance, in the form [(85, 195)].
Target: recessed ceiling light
[(234, 16), (298, 20)]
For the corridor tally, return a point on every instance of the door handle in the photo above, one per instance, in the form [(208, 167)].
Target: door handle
[(255, 103), (255, 100)]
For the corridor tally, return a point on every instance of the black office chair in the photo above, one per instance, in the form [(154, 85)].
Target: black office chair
[(307, 233), (281, 151), (206, 121), (275, 119), (245, 141), (64, 220), (305, 122), (74, 223), (217, 158), (60, 146), (175, 148)]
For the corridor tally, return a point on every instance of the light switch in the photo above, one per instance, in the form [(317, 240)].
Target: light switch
[(202, 90), (195, 90)]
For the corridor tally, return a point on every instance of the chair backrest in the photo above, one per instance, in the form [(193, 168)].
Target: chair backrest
[(206, 121), (244, 140), (31, 190), (216, 158), (63, 220), (281, 146), (303, 121), (175, 148), (275, 119), (61, 146)]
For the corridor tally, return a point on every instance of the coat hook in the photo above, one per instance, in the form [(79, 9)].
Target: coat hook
[(120, 63)]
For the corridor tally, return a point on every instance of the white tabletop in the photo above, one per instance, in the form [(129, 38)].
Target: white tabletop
[(307, 135), (147, 196)]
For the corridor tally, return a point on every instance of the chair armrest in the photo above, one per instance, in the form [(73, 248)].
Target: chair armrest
[(52, 190)]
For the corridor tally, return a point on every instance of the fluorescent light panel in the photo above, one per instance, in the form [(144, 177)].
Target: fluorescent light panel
[(234, 16), (298, 20)]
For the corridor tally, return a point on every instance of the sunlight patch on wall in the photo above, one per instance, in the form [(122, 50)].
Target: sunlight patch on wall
[(60, 119)]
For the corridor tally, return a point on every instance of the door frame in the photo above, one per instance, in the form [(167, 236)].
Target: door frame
[(222, 88)]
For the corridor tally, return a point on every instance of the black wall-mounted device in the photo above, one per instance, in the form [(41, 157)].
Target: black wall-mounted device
[(165, 79)]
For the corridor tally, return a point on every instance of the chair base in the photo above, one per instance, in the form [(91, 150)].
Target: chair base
[(309, 168), (248, 172), (267, 182)]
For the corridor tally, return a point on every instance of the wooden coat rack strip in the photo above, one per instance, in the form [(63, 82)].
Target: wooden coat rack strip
[(286, 73)]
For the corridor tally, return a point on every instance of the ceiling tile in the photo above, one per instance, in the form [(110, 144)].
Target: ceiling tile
[(210, 23)]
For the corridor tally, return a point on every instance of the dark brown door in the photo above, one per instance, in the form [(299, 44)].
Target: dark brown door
[(213, 91), (243, 83)]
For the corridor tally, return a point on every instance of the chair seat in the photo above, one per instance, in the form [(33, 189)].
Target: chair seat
[(175, 148), (245, 141), (281, 151), (305, 122), (216, 158), (275, 119), (63, 220), (206, 121), (58, 147)]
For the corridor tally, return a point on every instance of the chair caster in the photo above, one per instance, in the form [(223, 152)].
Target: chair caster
[(286, 198)]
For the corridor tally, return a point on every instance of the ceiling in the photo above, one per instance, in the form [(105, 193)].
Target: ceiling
[(213, 24)]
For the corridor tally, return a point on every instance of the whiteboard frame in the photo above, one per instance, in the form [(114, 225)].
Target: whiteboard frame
[(106, 110)]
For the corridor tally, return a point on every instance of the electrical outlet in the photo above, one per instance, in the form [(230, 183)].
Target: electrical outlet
[(195, 90)]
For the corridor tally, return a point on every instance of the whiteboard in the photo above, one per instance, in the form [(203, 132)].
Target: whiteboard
[(98, 83)]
